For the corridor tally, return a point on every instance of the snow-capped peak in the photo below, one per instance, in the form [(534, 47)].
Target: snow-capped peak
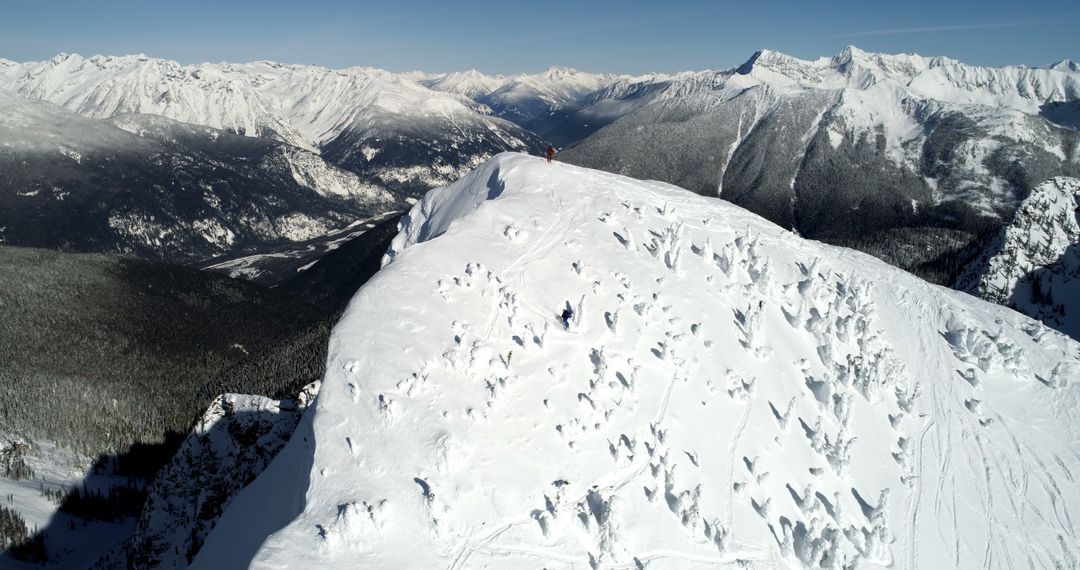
[(470, 83), (849, 53), (941, 78), (556, 71), (1066, 65), (593, 370), (300, 104), (762, 57)]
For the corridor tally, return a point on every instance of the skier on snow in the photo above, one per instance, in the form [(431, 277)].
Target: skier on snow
[(550, 153), (567, 316)]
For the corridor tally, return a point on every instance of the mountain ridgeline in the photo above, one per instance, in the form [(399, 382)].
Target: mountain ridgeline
[(1033, 263), (857, 149), (146, 157), (159, 189), (385, 127), (296, 177), (911, 158)]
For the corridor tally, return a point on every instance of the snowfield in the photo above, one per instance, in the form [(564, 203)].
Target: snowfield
[(726, 394)]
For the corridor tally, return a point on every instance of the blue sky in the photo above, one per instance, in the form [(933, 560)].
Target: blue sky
[(510, 36)]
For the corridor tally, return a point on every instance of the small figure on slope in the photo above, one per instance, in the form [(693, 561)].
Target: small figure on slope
[(567, 316), (550, 153)]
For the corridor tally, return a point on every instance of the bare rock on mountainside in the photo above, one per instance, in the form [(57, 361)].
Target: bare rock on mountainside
[(1033, 263), (233, 441)]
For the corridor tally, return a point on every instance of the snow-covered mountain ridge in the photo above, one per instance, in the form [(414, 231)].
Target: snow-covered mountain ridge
[(853, 149), (725, 393), (865, 92), (1033, 263), (555, 87), (161, 189), (383, 126), (305, 106), (1018, 87)]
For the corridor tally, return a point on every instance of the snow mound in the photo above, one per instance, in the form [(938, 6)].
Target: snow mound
[(724, 393)]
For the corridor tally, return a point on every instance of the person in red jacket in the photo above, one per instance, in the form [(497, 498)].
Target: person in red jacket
[(550, 152)]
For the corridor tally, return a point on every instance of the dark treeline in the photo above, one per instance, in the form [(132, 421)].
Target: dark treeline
[(101, 354)]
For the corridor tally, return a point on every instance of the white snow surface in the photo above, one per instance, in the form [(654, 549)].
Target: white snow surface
[(73, 542), (470, 83), (726, 394)]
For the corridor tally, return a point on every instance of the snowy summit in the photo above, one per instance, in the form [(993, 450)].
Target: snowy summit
[(725, 393)]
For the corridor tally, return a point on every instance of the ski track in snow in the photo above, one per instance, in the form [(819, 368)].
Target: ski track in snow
[(856, 415)]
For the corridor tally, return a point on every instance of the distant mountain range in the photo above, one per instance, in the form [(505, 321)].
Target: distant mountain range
[(382, 126), (294, 177), (536, 102), (145, 156), (912, 158), (847, 147), (161, 189)]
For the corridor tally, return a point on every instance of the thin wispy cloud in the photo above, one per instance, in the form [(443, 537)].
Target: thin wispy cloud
[(947, 28)]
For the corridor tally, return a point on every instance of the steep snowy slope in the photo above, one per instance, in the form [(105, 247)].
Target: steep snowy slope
[(385, 127), (843, 147), (1033, 263), (726, 393), (161, 189)]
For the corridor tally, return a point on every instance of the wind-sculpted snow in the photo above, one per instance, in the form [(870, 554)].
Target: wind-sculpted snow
[(725, 393)]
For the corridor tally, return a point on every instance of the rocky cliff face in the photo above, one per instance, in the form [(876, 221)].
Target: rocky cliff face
[(231, 445), (1033, 263)]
